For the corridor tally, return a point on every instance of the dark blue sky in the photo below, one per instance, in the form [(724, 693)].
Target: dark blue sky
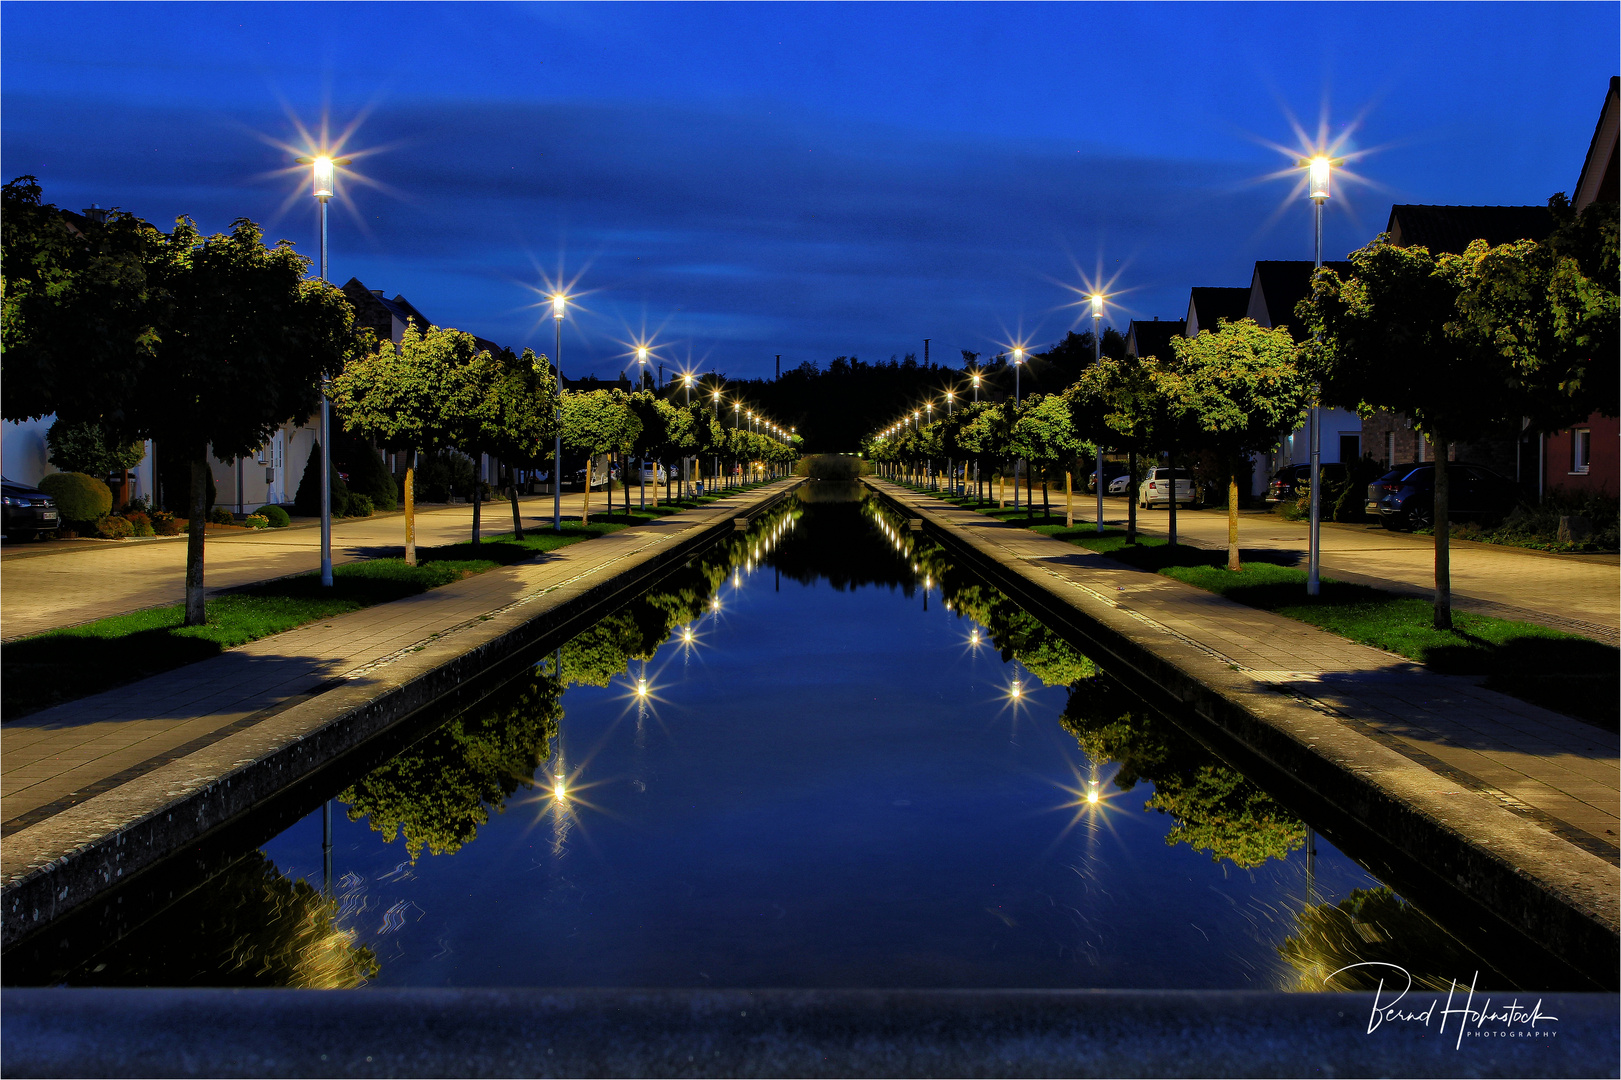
[(810, 180)]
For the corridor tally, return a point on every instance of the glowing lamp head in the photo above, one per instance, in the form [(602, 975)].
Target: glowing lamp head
[(1018, 356), (951, 395), (973, 637), (559, 303), (686, 635), (641, 354), (322, 168), (976, 378), (1097, 305), (1092, 792), (714, 605), (559, 789), (716, 396), (1320, 167), (687, 379)]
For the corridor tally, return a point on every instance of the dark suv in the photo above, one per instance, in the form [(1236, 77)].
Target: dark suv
[(1404, 497), (1286, 481), (27, 511)]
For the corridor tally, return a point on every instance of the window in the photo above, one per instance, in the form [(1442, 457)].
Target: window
[(1581, 444)]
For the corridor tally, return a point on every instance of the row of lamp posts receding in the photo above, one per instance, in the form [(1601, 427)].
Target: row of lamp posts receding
[(1319, 169)]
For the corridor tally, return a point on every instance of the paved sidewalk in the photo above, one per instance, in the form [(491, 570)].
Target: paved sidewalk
[(1561, 773), (57, 758), (62, 583), (1580, 594)]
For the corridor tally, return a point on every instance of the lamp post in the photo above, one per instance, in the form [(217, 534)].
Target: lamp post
[(1097, 358), (686, 480), (641, 462), (976, 378), (715, 398), (1018, 366), (559, 305), (951, 470), (928, 467), (322, 172), (1320, 167)]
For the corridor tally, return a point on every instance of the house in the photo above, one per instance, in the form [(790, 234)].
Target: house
[(1152, 338), (1276, 286), (1208, 305), (1585, 458)]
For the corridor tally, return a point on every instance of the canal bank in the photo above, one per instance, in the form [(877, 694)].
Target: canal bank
[(1486, 800), (126, 778)]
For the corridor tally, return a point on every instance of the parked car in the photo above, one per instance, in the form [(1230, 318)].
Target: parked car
[(1156, 488), (599, 477), (1285, 485), (1111, 473), (1404, 497), (1120, 485), (654, 473), (27, 511)]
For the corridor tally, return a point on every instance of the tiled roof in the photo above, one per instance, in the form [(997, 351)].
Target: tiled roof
[(1453, 228)]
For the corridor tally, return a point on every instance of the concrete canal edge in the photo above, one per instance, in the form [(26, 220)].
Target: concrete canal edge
[(87, 849), (572, 1032), (1540, 886)]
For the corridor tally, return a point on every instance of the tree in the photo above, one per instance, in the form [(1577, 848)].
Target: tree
[(989, 436), (1116, 402), (597, 422), (1550, 310), (406, 398), (1390, 337), (76, 322), (244, 340), (651, 438), (87, 446), (1045, 434), (526, 408), (1240, 386)]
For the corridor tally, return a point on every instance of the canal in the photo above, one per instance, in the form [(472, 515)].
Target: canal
[(819, 755)]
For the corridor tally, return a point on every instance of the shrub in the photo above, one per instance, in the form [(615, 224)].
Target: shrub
[(139, 522), (256, 521), (444, 474), (832, 467), (114, 528), (137, 505), (359, 505), (80, 500), (220, 516), (278, 518), (307, 501), (367, 476), (164, 524)]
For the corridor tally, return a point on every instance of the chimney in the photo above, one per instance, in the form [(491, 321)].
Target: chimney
[(779, 365), (377, 292), (925, 352)]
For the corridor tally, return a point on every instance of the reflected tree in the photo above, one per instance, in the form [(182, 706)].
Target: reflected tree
[(440, 790), (252, 926), (1373, 926), (1214, 808)]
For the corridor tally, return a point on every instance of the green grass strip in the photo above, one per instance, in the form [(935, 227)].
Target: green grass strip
[(77, 661)]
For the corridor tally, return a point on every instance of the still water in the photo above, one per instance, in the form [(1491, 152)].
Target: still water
[(818, 756)]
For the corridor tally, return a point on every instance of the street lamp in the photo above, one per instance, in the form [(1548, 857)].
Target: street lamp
[(559, 308), (1018, 366), (1097, 358), (322, 171), (1318, 169)]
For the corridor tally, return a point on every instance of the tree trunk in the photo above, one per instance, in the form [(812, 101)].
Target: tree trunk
[(1131, 497), (478, 494), (1443, 540), (195, 613), (1001, 490), (1069, 498), (411, 513), (517, 519), (1232, 523), (667, 496), (1172, 504), (585, 507), (1046, 499)]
